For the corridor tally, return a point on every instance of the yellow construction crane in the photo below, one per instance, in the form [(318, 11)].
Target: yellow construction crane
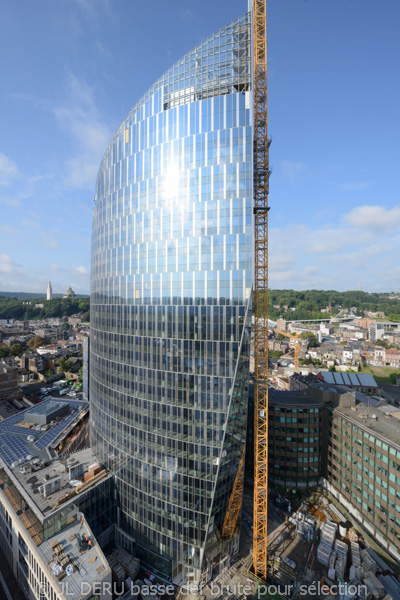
[(260, 299), (296, 346), (261, 180), (235, 501)]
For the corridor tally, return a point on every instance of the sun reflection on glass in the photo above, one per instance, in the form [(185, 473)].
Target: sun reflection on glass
[(171, 182)]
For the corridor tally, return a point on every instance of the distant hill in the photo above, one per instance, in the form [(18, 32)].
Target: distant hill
[(38, 295), (38, 308)]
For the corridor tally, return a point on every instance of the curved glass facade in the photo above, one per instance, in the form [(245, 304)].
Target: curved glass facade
[(171, 280)]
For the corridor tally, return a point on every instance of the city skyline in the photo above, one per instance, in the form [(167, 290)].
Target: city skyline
[(334, 209)]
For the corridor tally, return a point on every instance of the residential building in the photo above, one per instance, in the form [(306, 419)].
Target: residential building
[(325, 329), (281, 324), (347, 354), (378, 330), (74, 320), (392, 358), (300, 382), (171, 281), (9, 389)]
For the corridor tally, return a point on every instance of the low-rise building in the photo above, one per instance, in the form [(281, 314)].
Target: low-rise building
[(361, 382), (299, 382), (392, 358), (326, 329), (9, 389)]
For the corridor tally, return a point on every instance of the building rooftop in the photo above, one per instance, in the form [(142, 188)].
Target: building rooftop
[(349, 379), (297, 399), (306, 379), (46, 408), (79, 569), (378, 423), (57, 476), (22, 440), (7, 410)]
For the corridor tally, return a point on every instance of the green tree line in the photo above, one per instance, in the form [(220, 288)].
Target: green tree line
[(11, 308), (308, 303)]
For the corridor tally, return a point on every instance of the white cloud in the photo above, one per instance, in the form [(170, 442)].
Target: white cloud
[(20, 186), (355, 186), (90, 9), (374, 218), (81, 270), (8, 170), (49, 242), (293, 169), (79, 118), (7, 265), (336, 256), (8, 230)]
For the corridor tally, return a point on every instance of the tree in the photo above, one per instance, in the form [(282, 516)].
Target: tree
[(37, 341), (86, 317), (4, 352), (311, 337), (332, 368), (275, 354), (393, 378), (16, 350), (65, 365), (381, 343)]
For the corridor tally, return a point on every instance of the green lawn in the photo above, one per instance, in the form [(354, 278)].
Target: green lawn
[(380, 374)]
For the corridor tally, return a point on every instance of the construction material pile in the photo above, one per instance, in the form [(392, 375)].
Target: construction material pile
[(123, 566), (374, 586), (305, 526), (324, 550), (341, 548)]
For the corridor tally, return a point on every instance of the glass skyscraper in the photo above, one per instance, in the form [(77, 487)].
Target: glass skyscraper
[(171, 280)]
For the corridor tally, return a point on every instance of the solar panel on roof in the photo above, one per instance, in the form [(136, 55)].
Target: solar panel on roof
[(328, 377), (346, 379), (337, 378), (367, 380), (354, 379)]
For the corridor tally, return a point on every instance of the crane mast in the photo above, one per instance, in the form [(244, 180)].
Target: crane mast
[(261, 178)]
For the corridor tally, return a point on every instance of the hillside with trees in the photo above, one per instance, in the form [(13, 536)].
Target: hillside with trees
[(11, 308), (308, 304)]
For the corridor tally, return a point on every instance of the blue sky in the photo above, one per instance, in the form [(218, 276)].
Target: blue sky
[(72, 69)]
